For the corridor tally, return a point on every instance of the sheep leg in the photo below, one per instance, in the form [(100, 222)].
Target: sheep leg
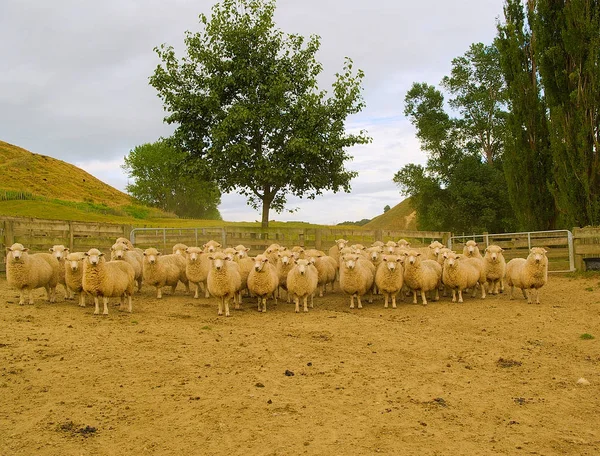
[(220, 301), (385, 303), (454, 295), (537, 295), (359, 303), (528, 294), (264, 304), (206, 293), (512, 289), (173, 289), (483, 294), (30, 296), (525, 295), (474, 291), (352, 301), (371, 297), (501, 285), (105, 301), (393, 300), (305, 303), (297, 302), (196, 290), (159, 292), (321, 290), (96, 306), (415, 296), (129, 304), (311, 300), (68, 292), (139, 284), (422, 297), (460, 298), (226, 303), (82, 298), (437, 294), (259, 304)]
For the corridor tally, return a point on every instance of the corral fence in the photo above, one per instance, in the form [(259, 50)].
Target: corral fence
[(257, 239), (559, 245)]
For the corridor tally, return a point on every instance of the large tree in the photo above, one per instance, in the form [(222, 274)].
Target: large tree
[(568, 51), (527, 156), (462, 187), (246, 103), (164, 178)]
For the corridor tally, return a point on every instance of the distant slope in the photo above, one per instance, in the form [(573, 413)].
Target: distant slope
[(401, 217), (23, 171)]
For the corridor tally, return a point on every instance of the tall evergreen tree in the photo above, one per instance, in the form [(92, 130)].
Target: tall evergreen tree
[(527, 158), (568, 49)]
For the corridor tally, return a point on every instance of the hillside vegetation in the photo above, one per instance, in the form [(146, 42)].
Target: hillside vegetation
[(401, 217)]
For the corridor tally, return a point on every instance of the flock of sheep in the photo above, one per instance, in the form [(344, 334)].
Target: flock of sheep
[(227, 273)]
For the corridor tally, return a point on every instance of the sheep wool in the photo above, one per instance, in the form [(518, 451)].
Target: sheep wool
[(223, 280), (60, 252), (263, 281), (74, 274), (460, 273), (421, 275), (26, 272), (389, 278), (120, 251), (356, 277), (495, 268), (109, 279), (165, 270), (302, 281), (528, 274)]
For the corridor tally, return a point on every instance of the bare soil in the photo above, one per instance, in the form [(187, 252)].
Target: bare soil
[(489, 376)]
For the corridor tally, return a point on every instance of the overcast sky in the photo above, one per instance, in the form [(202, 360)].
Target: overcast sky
[(74, 80)]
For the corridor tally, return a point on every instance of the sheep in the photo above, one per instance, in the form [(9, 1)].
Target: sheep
[(211, 247), (390, 277), (60, 252), (166, 270), (495, 268), (326, 268), (263, 281), (356, 277), (377, 244), (128, 243), (460, 273), (528, 274), (334, 251), (179, 249), (471, 250), (421, 275), (107, 279), (196, 270), (74, 274), (271, 253), (245, 263), (298, 252), (120, 251), (302, 281), (404, 244), (389, 247), (223, 280), (28, 272), (285, 262)]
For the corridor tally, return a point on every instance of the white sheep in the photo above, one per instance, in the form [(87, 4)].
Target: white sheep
[(128, 243), (326, 268), (421, 275), (334, 251), (495, 268), (164, 270), (390, 247), (460, 273), (263, 281), (120, 251), (26, 272), (74, 274), (245, 263), (390, 277), (223, 280), (356, 277), (528, 274), (196, 270), (109, 279), (60, 252), (285, 262), (179, 249), (271, 253), (403, 244), (211, 247), (471, 250), (302, 282)]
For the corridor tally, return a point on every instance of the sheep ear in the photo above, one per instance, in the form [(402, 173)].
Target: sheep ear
[(87, 254), (101, 254), (157, 253), (211, 257), (384, 258), (418, 253), (66, 250), (50, 249)]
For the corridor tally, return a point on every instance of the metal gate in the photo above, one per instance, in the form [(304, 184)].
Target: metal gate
[(558, 244)]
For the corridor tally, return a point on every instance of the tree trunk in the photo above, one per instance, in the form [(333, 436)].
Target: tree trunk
[(265, 214)]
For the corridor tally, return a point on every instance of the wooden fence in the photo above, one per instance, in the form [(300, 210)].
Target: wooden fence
[(39, 235)]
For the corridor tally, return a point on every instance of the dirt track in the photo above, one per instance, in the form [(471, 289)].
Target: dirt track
[(484, 377)]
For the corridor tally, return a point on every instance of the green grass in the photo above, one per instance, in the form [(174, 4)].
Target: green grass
[(586, 336), (400, 217)]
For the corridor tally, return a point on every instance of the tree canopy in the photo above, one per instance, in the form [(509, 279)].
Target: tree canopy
[(164, 179), (247, 107)]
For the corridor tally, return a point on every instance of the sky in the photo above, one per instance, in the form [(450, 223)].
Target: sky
[(74, 81)]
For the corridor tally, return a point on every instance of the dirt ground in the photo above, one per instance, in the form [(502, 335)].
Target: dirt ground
[(489, 376)]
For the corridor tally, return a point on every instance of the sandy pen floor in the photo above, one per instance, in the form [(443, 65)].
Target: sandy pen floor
[(489, 376)]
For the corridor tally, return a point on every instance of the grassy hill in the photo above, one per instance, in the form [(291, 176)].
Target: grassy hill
[(34, 185), (401, 217)]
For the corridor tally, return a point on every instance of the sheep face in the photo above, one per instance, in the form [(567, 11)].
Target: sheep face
[(493, 252), (211, 246), (471, 245), (94, 257), (435, 246), (260, 262), (302, 266), (537, 254), (193, 253), (374, 253), (341, 243), (412, 256), (391, 261), (351, 260), (403, 243), (451, 259), (59, 251), (218, 260), (74, 265), (390, 246), (151, 255), (241, 251), (285, 257), (16, 251), (272, 248), (119, 251)]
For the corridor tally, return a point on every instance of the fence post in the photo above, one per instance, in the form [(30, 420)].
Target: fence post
[(318, 239), (71, 237), (9, 238)]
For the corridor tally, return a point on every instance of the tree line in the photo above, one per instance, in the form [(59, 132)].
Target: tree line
[(515, 147)]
